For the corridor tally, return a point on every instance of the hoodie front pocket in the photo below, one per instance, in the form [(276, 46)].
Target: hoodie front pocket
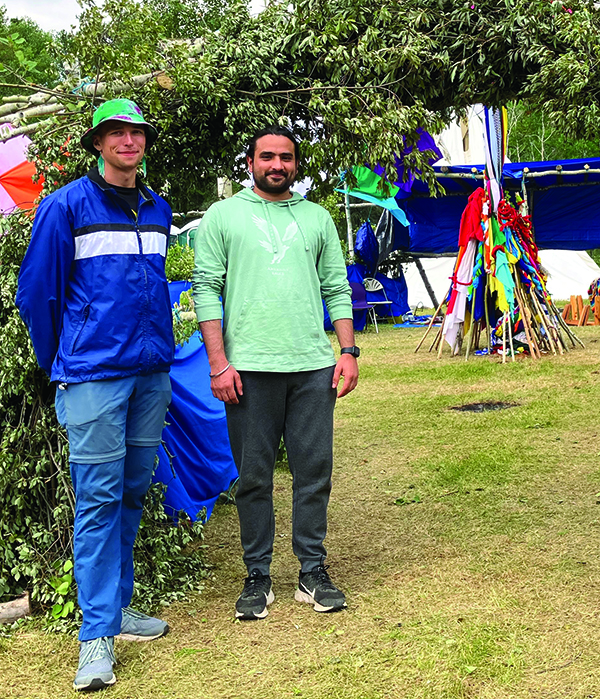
[(275, 327)]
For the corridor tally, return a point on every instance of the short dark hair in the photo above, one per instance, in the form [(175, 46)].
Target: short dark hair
[(273, 130)]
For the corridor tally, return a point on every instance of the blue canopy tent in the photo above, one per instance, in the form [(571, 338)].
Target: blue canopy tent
[(563, 198)]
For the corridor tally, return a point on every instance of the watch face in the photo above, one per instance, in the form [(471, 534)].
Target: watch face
[(354, 351)]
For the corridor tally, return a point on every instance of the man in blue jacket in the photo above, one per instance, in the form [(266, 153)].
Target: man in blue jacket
[(94, 296)]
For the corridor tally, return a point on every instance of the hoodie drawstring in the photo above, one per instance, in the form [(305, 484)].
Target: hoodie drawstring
[(291, 210), (269, 226)]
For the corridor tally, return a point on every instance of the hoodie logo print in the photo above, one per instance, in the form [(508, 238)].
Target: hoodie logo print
[(274, 243)]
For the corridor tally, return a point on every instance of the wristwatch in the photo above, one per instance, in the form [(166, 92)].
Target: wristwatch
[(354, 351)]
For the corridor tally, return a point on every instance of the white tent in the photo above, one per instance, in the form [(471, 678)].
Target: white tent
[(462, 141), (570, 272)]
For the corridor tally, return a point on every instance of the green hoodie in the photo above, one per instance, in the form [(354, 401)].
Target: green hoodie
[(272, 262)]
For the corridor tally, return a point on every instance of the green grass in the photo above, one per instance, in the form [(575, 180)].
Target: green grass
[(467, 544)]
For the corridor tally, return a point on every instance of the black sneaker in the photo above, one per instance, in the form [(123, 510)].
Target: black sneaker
[(257, 594), (316, 588)]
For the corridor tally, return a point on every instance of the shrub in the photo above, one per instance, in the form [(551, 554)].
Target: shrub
[(36, 517), (180, 263)]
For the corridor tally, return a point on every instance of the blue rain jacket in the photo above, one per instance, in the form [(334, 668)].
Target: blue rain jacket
[(92, 287)]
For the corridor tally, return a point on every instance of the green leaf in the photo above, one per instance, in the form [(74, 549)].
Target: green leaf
[(63, 589)]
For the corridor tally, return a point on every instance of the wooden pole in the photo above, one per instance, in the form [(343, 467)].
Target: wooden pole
[(436, 339), (349, 234), (441, 346), (541, 313), (419, 266), (533, 350), (571, 335), (510, 337), (471, 327), (430, 325), (529, 312)]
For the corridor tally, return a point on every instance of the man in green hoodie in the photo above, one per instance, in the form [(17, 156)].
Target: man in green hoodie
[(273, 256)]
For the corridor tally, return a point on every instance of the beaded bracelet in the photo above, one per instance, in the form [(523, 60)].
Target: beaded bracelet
[(214, 376)]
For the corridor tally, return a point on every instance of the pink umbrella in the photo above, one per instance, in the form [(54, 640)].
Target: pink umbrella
[(17, 188)]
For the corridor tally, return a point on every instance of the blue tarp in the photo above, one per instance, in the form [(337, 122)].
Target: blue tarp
[(367, 247), (565, 208), (396, 290), (176, 289), (196, 434)]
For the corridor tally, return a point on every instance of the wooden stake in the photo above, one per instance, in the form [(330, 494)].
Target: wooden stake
[(441, 345), (430, 325), (541, 313), (471, 327), (487, 318), (436, 339), (510, 337), (533, 350), (529, 311), (570, 334)]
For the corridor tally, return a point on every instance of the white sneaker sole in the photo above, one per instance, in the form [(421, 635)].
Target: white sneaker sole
[(94, 685), (140, 639), (300, 596), (261, 615)]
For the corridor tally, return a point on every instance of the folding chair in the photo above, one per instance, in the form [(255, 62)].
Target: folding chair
[(374, 285), (359, 298)]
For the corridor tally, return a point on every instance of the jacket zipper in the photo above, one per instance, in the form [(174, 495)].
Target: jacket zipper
[(147, 298)]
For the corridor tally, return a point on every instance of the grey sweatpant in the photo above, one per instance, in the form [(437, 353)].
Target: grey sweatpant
[(298, 406)]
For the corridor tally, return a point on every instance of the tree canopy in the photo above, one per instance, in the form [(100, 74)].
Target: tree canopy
[(26, 54), (532, 136), (355, 78)]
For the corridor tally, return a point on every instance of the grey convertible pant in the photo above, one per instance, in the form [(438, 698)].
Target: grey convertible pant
[(298, 406)]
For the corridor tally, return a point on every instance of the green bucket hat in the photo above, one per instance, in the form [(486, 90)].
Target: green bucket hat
[(117, 110)]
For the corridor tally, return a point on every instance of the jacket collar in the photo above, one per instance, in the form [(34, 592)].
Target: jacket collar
[(97, 178)]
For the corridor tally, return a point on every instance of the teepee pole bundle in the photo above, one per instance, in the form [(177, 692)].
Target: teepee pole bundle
[(498, 283)]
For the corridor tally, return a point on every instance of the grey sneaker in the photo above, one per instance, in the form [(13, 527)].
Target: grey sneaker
[(136, 626), (96, 660), (316, 588), (257, 594)]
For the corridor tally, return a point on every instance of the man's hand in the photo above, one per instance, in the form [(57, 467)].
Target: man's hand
[(227, 387), (346, 367)]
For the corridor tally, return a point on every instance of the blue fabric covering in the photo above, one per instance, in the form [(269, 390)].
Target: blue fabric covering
[(406, 179), (176, 289), (565, 217), (367, 247), (396, 290), (196, 434)]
